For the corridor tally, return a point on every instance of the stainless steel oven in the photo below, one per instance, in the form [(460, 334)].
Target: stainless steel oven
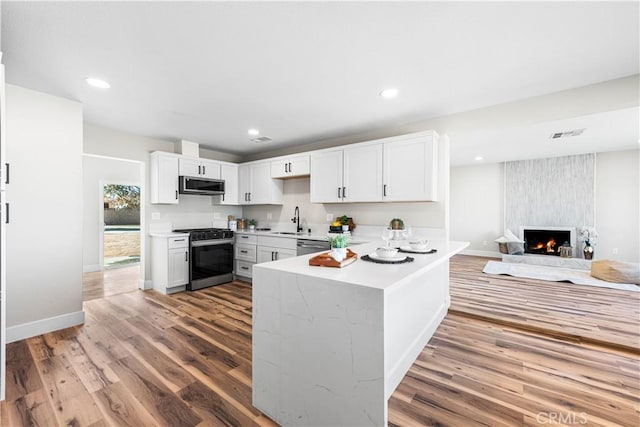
[(211, 261)]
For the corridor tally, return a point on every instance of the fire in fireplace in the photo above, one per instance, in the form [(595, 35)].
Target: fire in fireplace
[(545, 242)]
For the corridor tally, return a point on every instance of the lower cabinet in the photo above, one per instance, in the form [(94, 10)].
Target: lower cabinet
[(170, 263), (252, 249)]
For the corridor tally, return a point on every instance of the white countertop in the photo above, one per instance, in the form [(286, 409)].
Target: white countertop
[(169, 234), (369, 274), (309, 236)]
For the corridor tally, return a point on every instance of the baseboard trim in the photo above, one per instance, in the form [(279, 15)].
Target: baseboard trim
[(39, 327), (90, 268), (145, 284), (488, 254)]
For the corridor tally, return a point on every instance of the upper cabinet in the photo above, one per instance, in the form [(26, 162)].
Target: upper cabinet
[(163, 176), (200, 168), (229, 174), (394, 169), (256, 185), (411, 169), (290, 167)]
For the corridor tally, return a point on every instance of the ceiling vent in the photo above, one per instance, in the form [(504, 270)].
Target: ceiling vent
[(261, 139), (566, 134)]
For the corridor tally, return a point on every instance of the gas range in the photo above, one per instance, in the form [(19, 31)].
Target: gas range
[(197, 234)]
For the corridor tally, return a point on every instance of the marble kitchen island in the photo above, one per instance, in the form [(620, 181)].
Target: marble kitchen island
[(331, 345)]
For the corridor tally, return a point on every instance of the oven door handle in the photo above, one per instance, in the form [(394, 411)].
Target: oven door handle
[(200, 243)]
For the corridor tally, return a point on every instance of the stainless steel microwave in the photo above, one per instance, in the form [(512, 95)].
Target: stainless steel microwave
[(202, 186)]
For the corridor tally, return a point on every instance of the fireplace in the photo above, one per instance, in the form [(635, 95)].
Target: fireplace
[(546, 240)]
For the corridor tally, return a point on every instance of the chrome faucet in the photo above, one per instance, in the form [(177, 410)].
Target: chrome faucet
[(296, 219)]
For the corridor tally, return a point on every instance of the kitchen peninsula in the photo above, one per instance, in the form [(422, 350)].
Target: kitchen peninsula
[(331, 345)]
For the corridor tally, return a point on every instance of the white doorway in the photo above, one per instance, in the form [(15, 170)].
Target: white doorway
[(121, 225)]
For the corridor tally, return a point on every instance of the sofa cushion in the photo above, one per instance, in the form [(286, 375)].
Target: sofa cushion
[(616, 271)]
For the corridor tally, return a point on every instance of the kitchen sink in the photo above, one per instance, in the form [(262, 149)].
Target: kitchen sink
[(290, 233)]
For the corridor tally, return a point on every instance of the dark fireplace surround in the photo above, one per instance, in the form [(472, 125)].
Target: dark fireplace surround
[(545, 242)]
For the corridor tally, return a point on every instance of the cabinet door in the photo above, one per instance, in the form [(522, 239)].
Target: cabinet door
[(164, 179), (290, 167), (266, 254), (190, 167), (363, 174), (244, 184), (411, 170), (326, 177), (229, 173), (178, 267), (285, 253), (261, 183), (210, 170)]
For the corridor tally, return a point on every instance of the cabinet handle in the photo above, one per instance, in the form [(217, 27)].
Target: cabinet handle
[(204, 170), (245, 196), (6, 172), (344, 192), (176, 194), (178, 240), (6, 216), (276, 256), (186, 256), (244, 252), (199, 173), (285, 168), (244, 268), (244, 237), (223, 197), (384, 190), (272, 256), (249, 196), (290, 167), (338, 192)]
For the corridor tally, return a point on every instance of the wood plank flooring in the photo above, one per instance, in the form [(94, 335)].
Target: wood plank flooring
[(100, 284), (144, 359), (577, 313)]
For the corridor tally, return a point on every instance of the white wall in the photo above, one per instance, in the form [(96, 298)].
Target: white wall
[(44, 236), (96, 172), (477, 206), (193, 211), (618, 205)]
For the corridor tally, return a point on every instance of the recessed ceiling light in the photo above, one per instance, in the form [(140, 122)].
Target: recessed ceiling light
[(478, 158), (389, 93), (254, 132), (97, 83)]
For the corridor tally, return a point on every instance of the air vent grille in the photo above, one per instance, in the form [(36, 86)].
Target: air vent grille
[(261, 139), (566, 134)]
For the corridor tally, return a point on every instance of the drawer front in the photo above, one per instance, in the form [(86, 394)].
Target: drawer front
[(278, 242), (178, 242), (245, 252), (244, 269), (246, 238)]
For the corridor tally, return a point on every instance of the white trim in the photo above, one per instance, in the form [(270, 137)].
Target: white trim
[(145, 284), (489, 254), (91, 268), (97, 156), (43, 326)]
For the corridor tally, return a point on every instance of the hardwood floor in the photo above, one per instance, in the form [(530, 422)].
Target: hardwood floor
[(100, 284), (578, 313), (143, 359)]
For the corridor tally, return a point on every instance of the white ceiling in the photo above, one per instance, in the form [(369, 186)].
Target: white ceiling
[(307, 71)]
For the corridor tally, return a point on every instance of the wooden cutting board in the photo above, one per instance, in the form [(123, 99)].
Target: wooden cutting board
[(326, 260)]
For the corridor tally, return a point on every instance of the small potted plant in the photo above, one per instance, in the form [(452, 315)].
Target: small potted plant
[(252, 224), (589, 236), (346, 222), (339, 246), (396, 224)]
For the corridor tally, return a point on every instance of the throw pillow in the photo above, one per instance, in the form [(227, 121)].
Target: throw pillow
[(616, 271)]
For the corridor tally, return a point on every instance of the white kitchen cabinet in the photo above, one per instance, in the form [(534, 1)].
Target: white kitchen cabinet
[(256, 185), (350, 175), (411, 169), (362, 174), (245, 254), (170, 262), (396, 169), (229, 174), (271, 253), (326, 177), (163, 177), (290, 167), (199, 168)]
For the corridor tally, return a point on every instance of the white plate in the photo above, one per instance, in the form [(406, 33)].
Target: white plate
[(377, 257), (418, 251)]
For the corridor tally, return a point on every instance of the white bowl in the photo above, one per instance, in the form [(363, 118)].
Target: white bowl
[(418, 245), (386, 252)]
